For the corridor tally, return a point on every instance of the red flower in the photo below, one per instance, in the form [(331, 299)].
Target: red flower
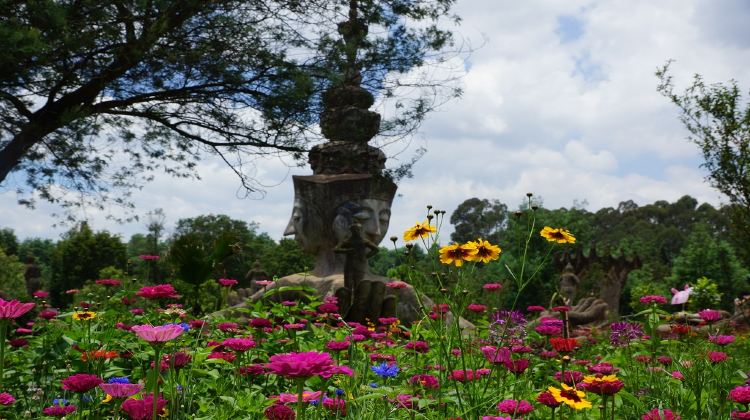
[(717, 356), (81, 382), (59, 410), (279, 412), (548, 399), (740, 394), (228, 282), (517, 366), (476, 307), (141, 409), (561, 309), (109, 282), (564, 345), (161, 291), (418, 346)]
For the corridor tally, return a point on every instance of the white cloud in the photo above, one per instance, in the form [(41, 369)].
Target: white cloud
[(566, 117)]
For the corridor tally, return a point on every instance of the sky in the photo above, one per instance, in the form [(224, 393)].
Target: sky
[(559, 99)]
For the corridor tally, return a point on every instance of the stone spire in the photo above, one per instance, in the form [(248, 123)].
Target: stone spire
[(346, 121)]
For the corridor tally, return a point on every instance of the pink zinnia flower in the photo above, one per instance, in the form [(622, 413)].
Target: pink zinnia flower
[(158, 334), (337, 345), (160, 291), (740, 394), (396, 285), (653, 299), (11, 309), (477, 307), (307, 396), (425, 381), (418, 346), (548, 399), (59, 410), (224, 355), (261, 323), (141, 409), (227, 282), (118, 390), (388, 320), (228, 326), (709, 315), (81, 382), (678, 375), (146, 257), (41, 294), (495, 355), (604, 368), (48, 314), (300, 365), (6, 399), (239, 344), (279, 412), (660, 414), (740, 415), (492, 286), (109, 282), (535, 308), (264, 282), (717, 356), (721, 340), (515, 407)]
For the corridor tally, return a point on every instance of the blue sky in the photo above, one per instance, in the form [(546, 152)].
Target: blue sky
[(559, 100)]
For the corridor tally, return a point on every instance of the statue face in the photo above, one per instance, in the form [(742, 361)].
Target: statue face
[(296, 225), (372, 214)]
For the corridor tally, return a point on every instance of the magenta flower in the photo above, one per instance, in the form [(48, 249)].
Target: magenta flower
[(396, 285), (709, 315), (119, 390), (59, 410), (279, 412), (239, 344), (740, 415), (492, 286), (6, 399), (653, 299), (140, 409), (721, 340), (418, 346), (81, 382), (158, 334), (109, 282), (515, 407), (740, 394), (160, 291), (477, 307), (300, 365), (146, 257), (227, 282), (660, 414), (425, 381), (12, 309), (717, 356)]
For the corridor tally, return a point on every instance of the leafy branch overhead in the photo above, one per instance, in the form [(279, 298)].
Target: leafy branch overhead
[(97, 97)]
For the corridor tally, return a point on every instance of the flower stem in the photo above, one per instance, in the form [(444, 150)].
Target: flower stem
[(3, 329), (157, 366), (300, 390)]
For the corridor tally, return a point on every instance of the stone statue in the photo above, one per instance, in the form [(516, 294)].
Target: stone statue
[(341, 212), (589, 310), (253, 275)]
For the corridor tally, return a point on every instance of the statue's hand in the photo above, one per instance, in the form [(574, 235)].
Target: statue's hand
[(371, 300), (587, 310)]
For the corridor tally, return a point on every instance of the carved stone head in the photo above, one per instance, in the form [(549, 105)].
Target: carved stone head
[(325, 206)]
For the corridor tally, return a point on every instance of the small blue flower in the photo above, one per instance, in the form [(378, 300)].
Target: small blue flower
[(119, 380), (385, 370), (373, 385), (314, 402), (60, 401), (185, 326), (339, 392)]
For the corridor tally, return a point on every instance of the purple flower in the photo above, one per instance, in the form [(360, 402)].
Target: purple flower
[(623, 333)]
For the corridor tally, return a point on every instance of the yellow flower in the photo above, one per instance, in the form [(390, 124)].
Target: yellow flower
[(107, 399), (457, 254), (420, 230), (84, 316), (559, 235), (570, 396), (594, 379), (486, 252)]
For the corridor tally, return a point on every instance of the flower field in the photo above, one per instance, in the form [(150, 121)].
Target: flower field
[(136, 353)]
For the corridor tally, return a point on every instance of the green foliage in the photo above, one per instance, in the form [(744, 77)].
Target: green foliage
[(705, 295), (718, 120), (12, 284), (80, 256), (8, 241), (641, 284), (475, 218), (703, 255), (163, 82)]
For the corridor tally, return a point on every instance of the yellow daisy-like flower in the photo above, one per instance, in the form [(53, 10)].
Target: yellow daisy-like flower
[(570, 396), (419, 230), (107, 399), (456, 254), (559, 235), (486, 252), (84, 316)]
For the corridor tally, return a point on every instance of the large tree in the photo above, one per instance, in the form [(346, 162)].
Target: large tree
[(718, 120), (97, 95)]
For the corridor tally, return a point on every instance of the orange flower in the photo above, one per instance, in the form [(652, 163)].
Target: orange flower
[(486, 252), (419, 230), (457, 254), (559, 235)]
